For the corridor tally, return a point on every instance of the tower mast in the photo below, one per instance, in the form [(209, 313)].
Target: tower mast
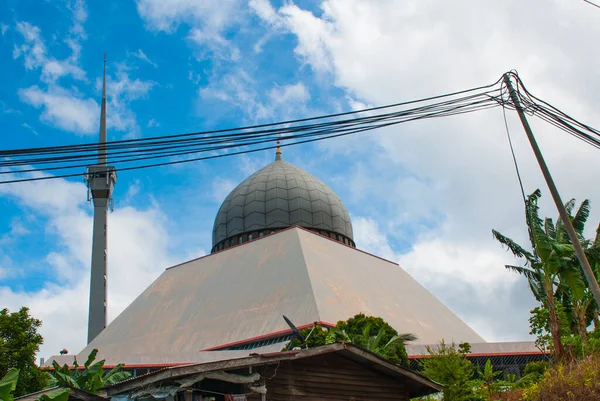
[(101, 181)]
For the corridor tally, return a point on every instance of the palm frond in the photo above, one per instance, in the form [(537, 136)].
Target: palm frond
[(524, 271), (116, 377), (549, 228), (597, 239), (581, 216), (574, 280), (515, 248), (375, 341), (537, 289), (593, 255), (541, 242), (399, 340), (91, 358), (570, 205)]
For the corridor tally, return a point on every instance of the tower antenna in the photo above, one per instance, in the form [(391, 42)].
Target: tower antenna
[(100, 180)]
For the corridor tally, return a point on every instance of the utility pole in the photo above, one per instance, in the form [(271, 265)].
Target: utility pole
[(585, 264), (100, 180)]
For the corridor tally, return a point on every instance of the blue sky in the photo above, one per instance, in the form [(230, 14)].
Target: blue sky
[(425, 194)]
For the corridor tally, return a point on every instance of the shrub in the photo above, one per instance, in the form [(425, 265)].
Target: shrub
[(578, 380)]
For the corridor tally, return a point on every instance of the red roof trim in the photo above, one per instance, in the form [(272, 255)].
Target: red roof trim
[(265, 336)]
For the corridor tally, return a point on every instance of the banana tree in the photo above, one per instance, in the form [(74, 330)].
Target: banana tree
[(544, 266), (576, 295), (91, 378), (8, 384)]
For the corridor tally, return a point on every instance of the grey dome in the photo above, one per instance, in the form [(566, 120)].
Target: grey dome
[(277, 196)]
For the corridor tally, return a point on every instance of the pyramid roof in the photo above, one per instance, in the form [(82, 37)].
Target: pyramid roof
[(242, 292)]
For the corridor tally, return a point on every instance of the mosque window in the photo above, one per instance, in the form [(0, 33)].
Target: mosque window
[(240, 239), (260, 234), (250, 237)]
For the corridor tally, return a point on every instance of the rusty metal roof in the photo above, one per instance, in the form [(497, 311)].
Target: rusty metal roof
[(242, 292), (417, 383)]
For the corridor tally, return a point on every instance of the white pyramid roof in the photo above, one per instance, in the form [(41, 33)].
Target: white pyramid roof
[(242, 293)]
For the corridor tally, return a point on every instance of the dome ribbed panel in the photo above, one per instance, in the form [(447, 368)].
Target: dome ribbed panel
[(277, 196)]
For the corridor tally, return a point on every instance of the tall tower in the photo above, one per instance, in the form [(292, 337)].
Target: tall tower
[(100, 180)]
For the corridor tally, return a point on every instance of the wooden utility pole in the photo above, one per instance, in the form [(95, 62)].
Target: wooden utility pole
[(585, 264)]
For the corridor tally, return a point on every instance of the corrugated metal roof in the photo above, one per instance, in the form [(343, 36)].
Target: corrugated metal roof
[(365, 358), (243, 292), (497, 348)]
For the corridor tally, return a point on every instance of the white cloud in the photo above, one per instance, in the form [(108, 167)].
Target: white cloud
[(289, 94), (443, 185), (221, 187), (194, 77), (142, 56), (78, 8), (29, 127), (138, 253), (153, 123), (7, 110), (239, 89), (265, 11), (166, 16), (63, 110), (121, 91), (3, 29), (219, 47), (242, 91), (66, 108), (34, 53), (288, 101), (207, 19)]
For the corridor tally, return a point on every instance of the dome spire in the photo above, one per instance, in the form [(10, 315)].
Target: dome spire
[(278, 151)]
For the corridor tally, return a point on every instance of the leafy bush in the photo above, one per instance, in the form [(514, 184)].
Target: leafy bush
[(371, 333), (91, 378), (578, 380), (447, 365), (19, 342)]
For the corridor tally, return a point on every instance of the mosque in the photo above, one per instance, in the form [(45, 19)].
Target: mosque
[(282, 245)]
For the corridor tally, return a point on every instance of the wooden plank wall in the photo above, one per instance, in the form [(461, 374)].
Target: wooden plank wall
[(329, 377)]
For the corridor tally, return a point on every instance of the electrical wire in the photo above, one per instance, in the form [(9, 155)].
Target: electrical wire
[(41, 163), (37, 161), (514, 157)]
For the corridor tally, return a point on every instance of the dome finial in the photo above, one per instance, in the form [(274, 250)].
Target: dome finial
[(278, 151)]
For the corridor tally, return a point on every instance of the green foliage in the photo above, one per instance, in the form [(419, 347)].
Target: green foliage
[(448, 366), (89, 377), (554, 274), (580, 347), (533, 373), (367, 332), (489, 379), (539, 324), (19, 342), (8, 384)]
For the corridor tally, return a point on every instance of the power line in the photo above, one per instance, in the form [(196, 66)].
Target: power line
[(134, 154), (128, 152)]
